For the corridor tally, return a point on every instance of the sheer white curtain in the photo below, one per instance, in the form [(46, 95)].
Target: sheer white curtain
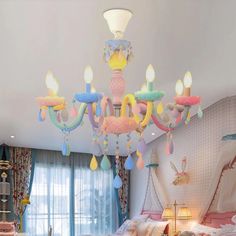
[(70, 197), (94, 201)]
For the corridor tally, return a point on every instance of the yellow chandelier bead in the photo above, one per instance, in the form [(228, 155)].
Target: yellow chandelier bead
[(117, 61), (128, 145), (189, 116), (93, 163), (138, 153), (160, 108)]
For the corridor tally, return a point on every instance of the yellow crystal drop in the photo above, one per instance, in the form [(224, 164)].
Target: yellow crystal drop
[(160, 108), (93, 163)]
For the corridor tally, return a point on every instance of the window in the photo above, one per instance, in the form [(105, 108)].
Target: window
[(70, 197)]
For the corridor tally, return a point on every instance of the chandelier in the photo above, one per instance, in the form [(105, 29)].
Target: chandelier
[(121, 114)]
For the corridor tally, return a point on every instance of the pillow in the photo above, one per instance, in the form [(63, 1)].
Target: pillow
[(140, 218), (227, 230), (151, 228), (159, 228), (234, 219), (202, 229), (124, 227), (144, 228)]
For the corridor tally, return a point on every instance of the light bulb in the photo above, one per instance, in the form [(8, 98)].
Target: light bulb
[(187, 80), (179, 87), (150, 73), (144, 88), (93, 90), (88, 74), (51, 82)]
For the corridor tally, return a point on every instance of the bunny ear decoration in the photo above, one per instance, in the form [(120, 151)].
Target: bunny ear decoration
[(174, 167), (184, 164)]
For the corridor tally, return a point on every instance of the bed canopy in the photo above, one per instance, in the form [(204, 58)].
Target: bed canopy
[(155, 196), (220, 198)]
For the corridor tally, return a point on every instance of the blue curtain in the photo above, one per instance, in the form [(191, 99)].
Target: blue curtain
[(1, 150), (69, 197)]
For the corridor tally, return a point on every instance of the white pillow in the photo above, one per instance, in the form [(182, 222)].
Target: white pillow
[(159, 227), (198, 228), (124, 227), (152, 227), (234, 219), (140, 218), (144, 228), (227, 230)]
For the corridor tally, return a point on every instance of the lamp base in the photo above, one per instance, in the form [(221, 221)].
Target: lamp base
[(176, 233)]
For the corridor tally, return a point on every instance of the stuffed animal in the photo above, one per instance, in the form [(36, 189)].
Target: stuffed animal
[(181, 177)]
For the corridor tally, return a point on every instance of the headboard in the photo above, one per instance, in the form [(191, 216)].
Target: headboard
[(216, 219), (153, 215)]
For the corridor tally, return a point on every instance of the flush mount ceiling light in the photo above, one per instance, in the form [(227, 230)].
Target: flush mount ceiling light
[(121, 114)]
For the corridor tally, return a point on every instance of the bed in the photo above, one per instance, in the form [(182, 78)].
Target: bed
[(220, 217)]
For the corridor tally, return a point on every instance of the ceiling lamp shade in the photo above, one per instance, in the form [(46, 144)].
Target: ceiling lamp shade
[(184, 213), (117, 20), (168, 214)]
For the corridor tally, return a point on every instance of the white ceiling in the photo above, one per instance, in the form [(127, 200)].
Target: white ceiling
[(66, 35)]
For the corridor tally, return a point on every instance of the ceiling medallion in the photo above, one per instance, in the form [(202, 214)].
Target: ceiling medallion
[(121, 114)]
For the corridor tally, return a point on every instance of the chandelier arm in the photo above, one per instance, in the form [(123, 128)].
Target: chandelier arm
[(158, 121), (91, 117), (106, 101), (129, 99), (62, 126), (160, 125), (183, 119), (148, 114)]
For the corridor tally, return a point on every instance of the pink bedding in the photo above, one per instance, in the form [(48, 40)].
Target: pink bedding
[(217, 219)]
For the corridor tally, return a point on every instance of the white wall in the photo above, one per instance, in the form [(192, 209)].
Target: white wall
[(201, 143)]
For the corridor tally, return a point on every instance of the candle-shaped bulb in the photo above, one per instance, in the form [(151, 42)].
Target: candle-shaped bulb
[(188, 80), (88, 74), (144, 88), (179, 87), (150, 73), (93, 90), (52, 83)]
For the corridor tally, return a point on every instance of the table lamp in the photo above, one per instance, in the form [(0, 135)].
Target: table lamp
[(184, 213)]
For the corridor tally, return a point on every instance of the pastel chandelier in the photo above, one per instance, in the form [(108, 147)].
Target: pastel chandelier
[(121, 114)]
